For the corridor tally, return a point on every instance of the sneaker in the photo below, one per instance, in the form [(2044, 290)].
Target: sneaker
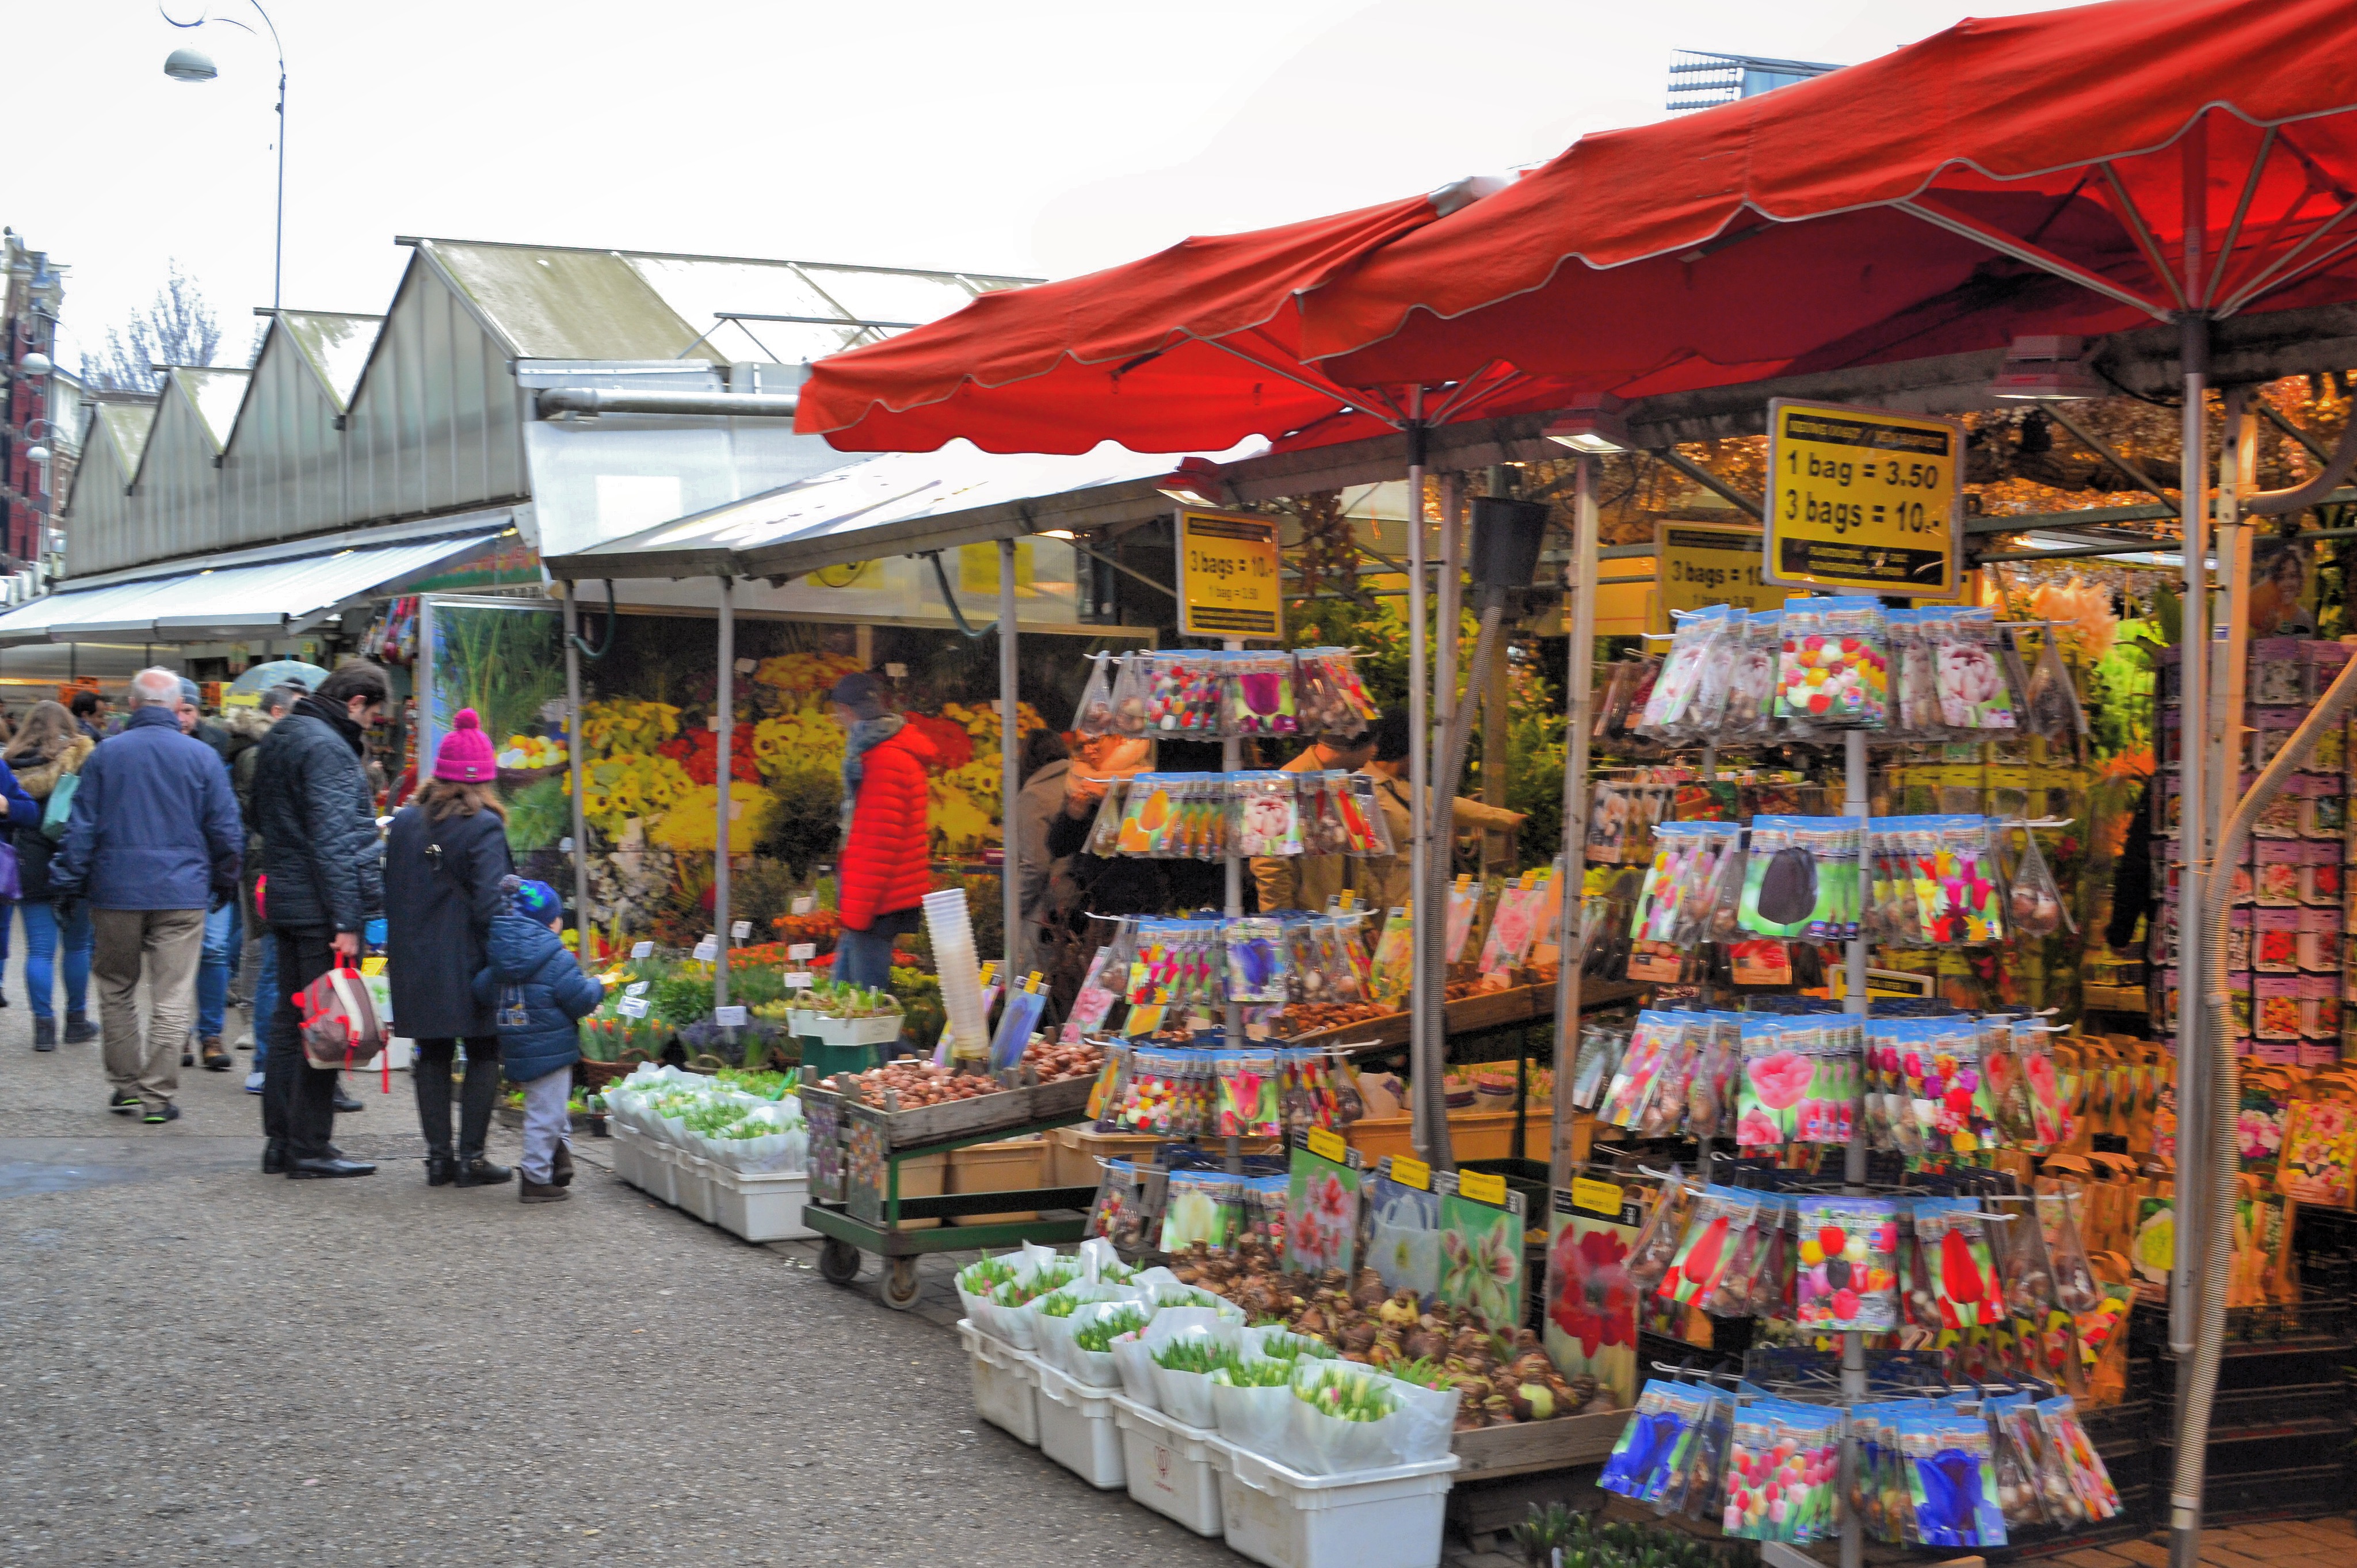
[(159, 1114), (244, 1042), (123, 1102), (253, 1083)]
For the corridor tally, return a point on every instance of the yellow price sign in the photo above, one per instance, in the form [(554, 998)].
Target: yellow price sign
[(1229, 582), (1704, 563), (1481, 1187), (1411, 1173), (1596, 1196), (1864, 501), (1328, 1145)]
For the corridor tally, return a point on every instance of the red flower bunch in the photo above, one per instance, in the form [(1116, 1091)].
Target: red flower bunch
[(698, 753), (950, 740)]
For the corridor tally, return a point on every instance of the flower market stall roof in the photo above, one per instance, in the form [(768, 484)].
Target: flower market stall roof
[(896, 504), (262, 599), (2071, 172)]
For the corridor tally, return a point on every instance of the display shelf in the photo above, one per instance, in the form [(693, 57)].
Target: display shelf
[(1483, 1010)]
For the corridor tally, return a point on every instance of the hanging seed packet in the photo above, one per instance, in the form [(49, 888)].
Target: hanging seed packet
[(1257, 953), (1404, 1233), (1266, 820), (1322, 1209), (1259, 697), (1123, 1212), (1183, 693), (1974, 691), (1952, 1479), (2036, 900), (1094, 716), (2058, 1419), (1780, 879), (1783, 1473), (1847, 1269), (1666, 1109), (1464, 905), (1955, 880), (1363, 814), (1751, 713), (2054, 710), (1719, 1218), (1966, 1289), (1664, 1230), (1481, 1253), (1246, 1094), (1775, 1079), (1835, 665), (1640, 1461), (1637, 1076), (1394, 959), (1199, 1209)]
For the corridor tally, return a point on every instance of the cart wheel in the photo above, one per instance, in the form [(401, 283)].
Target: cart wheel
[(901, 1285), (838, 1262)]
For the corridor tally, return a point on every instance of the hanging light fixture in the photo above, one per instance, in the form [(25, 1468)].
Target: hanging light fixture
[(1593, 423), (2044, 368)]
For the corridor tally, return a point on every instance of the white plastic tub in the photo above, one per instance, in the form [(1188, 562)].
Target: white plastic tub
[(1173, 1468), (1077, 1430), (1370, 1519), (760, 1207), (696, 1191), (630, 1155), (1006, 1384)]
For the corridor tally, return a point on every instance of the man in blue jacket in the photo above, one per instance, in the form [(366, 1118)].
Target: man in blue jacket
[(151, 843)]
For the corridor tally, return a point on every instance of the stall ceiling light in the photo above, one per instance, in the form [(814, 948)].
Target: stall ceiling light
[(2045, 369), (1592, 425)]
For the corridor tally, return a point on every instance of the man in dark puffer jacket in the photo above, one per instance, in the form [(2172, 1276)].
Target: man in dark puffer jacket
[(324, 869)]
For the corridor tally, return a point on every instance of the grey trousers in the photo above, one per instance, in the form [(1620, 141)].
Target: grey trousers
[(165, 943), (546, 1122)]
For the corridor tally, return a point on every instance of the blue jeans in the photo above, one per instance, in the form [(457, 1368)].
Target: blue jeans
[(41, 940), (218, 960), (865, 958), (266, 1000)]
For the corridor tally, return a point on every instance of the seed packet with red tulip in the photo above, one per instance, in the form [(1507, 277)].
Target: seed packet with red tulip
[(1956, 1256), (1714, 1233), (1847, 1273)]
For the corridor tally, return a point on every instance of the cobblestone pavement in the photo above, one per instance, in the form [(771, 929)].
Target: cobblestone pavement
[(207, 1366)]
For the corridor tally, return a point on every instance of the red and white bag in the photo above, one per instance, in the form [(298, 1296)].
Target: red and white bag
[(340, 1028)]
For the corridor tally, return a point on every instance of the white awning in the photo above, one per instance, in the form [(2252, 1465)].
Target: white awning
[(267, 600)]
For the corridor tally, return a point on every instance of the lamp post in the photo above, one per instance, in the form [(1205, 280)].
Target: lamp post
[(195, 65)]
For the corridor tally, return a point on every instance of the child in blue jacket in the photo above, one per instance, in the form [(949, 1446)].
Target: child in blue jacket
[(539, 996)]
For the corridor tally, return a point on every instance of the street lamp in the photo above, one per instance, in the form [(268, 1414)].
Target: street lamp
[(195, 65)]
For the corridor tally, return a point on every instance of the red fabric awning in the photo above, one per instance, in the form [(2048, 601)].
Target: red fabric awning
[(2019, 174), (1194, 349)]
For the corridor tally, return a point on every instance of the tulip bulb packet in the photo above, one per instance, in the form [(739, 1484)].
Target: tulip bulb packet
[(1952, 1479), (1783, 1473), (1847, 1271), (1482, 1253), (1957, 1255), (1321, 1210), (1721, 1219)]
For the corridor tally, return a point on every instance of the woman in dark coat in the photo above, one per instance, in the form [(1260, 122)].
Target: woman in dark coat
[(444, 857)]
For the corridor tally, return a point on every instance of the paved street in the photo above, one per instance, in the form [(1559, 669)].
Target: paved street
[(204, 1366)]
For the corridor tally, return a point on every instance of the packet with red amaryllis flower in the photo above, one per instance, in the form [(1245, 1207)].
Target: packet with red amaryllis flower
[(1714, 1234), (1847, 1274), (1956, 1256)]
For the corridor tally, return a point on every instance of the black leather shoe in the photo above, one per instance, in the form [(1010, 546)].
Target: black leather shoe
[(480, 1172), (560, 1165), (346, 1102), (317, 1170), (188, 1060), (274, 1159), (440, 1167), (79, 1030)]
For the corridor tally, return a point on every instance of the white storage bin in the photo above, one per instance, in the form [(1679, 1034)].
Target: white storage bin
[(662, 1171), (629, 1163), (765, 1208), (1372, 1518), (1173, 1468), (1006, 1384), (1077, 1430), (696, 1192)]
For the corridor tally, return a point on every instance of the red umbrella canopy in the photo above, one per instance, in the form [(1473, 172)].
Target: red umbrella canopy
[(1194, 349), (2074, 172)]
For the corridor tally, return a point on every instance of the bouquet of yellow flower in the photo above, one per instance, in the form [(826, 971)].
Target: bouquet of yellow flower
[(803, 673), (790, 742), (626, 785), (622, 725)]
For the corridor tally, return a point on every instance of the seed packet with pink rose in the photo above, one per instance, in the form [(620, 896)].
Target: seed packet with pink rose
[(1774, 1080), (1974, 694)]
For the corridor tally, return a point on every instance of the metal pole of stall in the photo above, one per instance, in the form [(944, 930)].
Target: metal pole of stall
[(1437, 794), (1853, 1344), (725, 700), (1579, 676), (2192, 954), (1010, 751), (1429, 1103), (572, 767)]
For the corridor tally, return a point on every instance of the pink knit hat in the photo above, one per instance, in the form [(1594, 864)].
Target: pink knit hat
[(465, 754)]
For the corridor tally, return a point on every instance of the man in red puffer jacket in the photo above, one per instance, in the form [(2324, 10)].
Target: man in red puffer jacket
[(886, 867)]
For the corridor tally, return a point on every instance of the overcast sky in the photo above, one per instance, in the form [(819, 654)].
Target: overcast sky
[(1031, 137)]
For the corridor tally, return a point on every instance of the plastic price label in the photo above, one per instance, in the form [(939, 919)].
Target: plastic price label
[(1328, 1145), (729, 1017), (707, 949), (739, 930), (642, 950), (1596, 1196), (799, 981), (1481, 1187), (802, 952), (631, 1007), (1411, 1173), (804, 905), (636, 988)]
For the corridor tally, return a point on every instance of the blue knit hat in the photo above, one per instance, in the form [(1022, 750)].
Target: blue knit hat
[(536, 900)]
